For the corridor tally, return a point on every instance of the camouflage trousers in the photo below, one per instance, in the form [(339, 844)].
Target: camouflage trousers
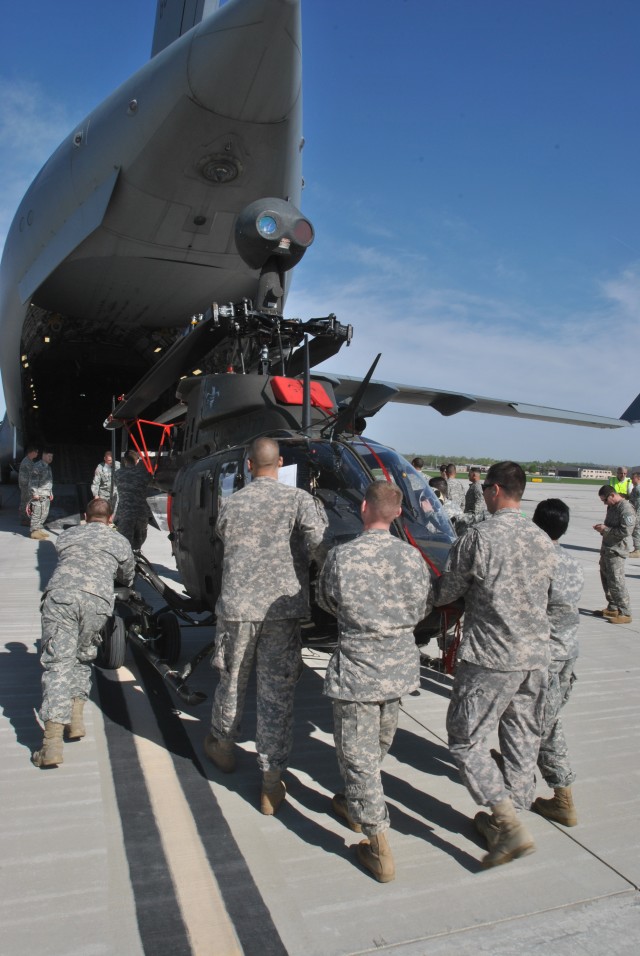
[(553, 758), (275, 647), (511, 702), (39, 513), (134, 528), (22, 509), (363, 732), (636, 534), (612, 567), (71, 623)]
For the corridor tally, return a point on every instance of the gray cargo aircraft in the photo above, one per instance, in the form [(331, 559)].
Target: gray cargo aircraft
[(130, 229)]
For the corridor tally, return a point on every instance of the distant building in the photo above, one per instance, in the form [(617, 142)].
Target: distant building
[(604, 473), (568, 472)]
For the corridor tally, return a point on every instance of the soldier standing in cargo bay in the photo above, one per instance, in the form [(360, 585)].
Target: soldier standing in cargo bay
[(132, 487), (24, 478), (503, 567), (270, 532), (379, 588), (103, 483), (78, 600), (40, 494)]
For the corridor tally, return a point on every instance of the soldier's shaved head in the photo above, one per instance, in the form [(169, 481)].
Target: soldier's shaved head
[(384, 500), (264, 454), (98, 510)]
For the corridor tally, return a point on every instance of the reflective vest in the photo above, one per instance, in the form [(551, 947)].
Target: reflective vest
[(622, 487)]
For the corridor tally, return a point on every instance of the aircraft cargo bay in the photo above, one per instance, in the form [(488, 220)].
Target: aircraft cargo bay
[(137, 844)]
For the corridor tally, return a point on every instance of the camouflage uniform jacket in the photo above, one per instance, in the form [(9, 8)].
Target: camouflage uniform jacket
[(89, 559), (270, 532), (566, 591), (634, 497), (503, 567), (378, 588), (132, 484), (474, 499), (455, 491), (620, 522), (101, 484), (40, 480), (24, 473)]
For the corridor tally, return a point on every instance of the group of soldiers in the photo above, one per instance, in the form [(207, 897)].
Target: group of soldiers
[(463, 507), (515, 661), (515, 664)]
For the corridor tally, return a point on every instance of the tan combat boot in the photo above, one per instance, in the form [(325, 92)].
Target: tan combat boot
[(513, 839), (610, 612), (375, 855), (620, 619), (75, 728), (273, 792), (220, 752), (38, 535), (487, 828), (560, 807), (340, 808), (635, 553), (50, 754)]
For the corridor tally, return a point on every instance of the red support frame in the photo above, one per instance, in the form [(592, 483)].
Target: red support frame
[(136, 434)]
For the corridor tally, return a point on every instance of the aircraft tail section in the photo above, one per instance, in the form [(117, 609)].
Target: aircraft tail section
[(632, 413), (175, 17)]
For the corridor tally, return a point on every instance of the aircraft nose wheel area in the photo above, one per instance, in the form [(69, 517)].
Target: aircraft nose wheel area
[(155, 633)]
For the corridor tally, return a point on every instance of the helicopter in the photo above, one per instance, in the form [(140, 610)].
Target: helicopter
[(253, 378)]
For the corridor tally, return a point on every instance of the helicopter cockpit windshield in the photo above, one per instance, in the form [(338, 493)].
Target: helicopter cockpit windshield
[(334, 472), (423, 516)]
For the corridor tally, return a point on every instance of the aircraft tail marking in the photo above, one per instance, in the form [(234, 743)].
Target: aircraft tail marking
[(632, 413)]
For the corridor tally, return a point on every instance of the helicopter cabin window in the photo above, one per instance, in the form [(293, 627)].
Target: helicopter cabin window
[(202, 484), (228, 480)]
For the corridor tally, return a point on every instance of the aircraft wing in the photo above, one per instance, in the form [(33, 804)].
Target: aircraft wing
[(448, 403)]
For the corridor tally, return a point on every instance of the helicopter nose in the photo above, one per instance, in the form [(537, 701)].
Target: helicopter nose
[(258, 44)]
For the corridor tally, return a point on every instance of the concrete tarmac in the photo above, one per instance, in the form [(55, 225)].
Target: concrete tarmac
[(137, 844)]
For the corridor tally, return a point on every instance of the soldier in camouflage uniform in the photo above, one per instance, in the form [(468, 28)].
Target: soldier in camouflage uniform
[(455, 488), (103, 484), (454, 512), (503, 567), (474, 498), (552, 516), (379, 588), (618, 524), (634, 501), (78, 601), (40, 494), (270, 532), (24, 477), (132, 485)]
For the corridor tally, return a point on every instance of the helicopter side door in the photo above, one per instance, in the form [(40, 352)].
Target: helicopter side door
[(199, 492)]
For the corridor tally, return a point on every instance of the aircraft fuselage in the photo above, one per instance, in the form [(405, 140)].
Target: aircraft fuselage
[(128, 228)]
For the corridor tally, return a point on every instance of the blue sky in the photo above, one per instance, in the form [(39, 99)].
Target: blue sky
[(471, 170)]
